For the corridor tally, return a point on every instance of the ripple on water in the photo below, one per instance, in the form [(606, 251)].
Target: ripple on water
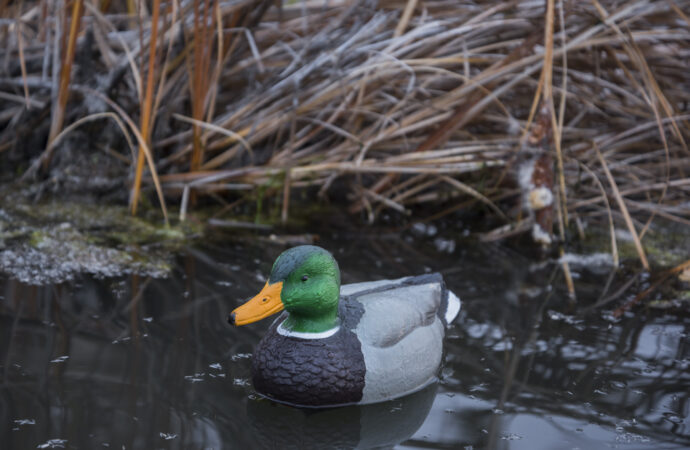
[(53, 443)]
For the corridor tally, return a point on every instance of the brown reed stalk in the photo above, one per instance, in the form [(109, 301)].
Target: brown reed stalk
[(22, 63), (147, 118), (624, 210), (200, 74), (405, 17), (143, 146), (3, 7), (58, 115)]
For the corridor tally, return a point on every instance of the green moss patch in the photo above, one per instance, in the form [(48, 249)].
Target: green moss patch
[(51, 242)]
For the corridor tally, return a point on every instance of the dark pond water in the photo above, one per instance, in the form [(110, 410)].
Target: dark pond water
[(132, 362)]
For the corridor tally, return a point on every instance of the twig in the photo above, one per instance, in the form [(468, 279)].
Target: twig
[(624, 210)]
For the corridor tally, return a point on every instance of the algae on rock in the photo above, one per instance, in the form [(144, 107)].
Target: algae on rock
[(54, 241)]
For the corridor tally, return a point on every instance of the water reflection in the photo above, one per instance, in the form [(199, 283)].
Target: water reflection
[(145, 363), (369, 426)]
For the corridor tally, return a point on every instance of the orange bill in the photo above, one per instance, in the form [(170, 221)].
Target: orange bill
[(264, 304)]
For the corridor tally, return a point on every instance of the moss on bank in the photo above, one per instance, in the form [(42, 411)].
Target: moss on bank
[(50, 242), (665, 244)]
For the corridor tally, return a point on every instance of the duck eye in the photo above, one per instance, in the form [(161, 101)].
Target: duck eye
[(305, 278), (264, 300)]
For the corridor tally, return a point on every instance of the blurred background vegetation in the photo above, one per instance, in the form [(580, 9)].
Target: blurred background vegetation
[(539, 116)]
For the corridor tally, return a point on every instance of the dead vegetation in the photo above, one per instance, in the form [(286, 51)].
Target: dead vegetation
[(400, 103)]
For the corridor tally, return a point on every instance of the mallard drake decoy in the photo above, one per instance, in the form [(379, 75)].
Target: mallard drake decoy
[(340, 345)]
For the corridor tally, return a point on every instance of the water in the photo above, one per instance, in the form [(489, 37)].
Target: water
[(135, 362)]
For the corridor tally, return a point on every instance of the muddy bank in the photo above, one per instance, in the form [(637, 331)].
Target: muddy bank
[(53, 241)]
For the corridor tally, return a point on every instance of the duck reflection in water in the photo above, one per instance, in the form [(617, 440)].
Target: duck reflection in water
[(384, 424)]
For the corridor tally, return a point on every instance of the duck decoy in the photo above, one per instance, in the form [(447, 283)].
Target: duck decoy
[(339, 345)]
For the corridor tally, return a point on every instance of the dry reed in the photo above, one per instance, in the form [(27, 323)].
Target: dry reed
[(403, 103)]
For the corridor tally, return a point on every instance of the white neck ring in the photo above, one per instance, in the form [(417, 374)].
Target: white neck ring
[(304, 335)]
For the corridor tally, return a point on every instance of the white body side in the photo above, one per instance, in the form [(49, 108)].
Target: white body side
[(402, 339)]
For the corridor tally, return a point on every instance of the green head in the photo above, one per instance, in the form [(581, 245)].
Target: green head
[(305, 281)]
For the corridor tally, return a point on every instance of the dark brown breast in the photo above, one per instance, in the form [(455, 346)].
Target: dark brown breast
[(310, 372)]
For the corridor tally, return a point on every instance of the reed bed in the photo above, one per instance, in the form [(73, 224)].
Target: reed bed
[(397, 105)]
